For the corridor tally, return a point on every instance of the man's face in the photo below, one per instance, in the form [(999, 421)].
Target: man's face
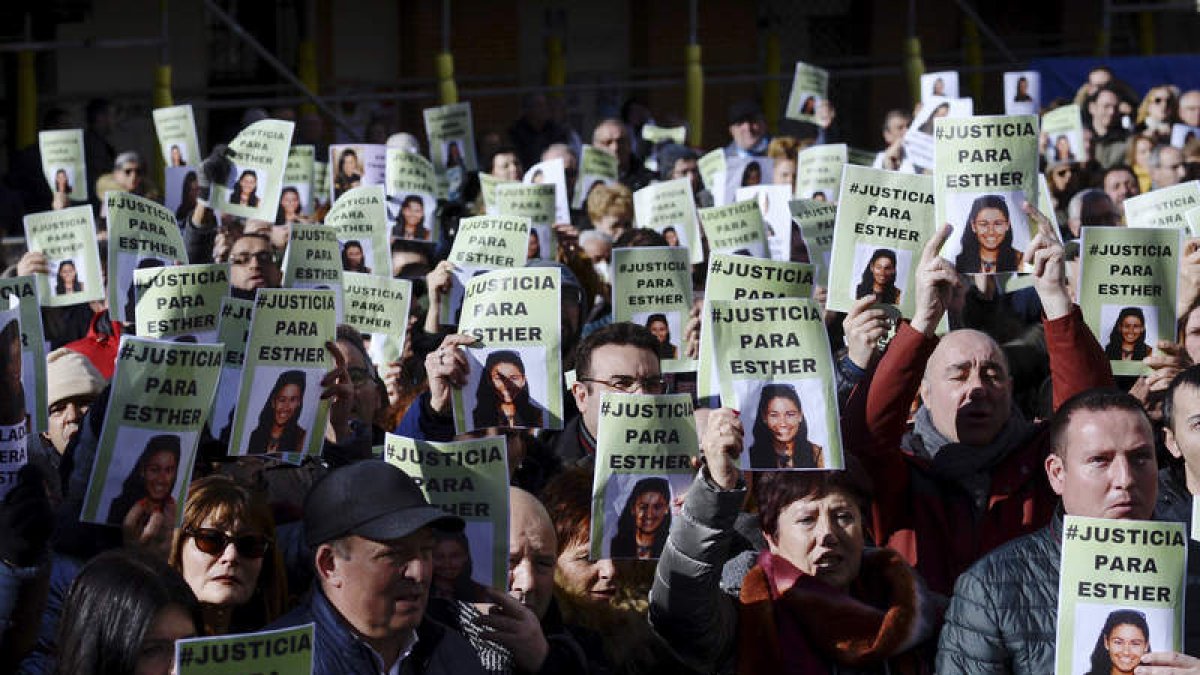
[(895, 128), (129, 176), (690, 169), (607, 362), (1106, 468), (967, 388), (381, 587), (253, 265), (1170, 170), (531, 553), (1189, 108), (1182, 438), (1104, 111), (65, 417), (1119, 186), (747, 132), (612, 138)]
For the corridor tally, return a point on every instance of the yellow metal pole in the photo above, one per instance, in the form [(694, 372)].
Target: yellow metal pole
[(556, 65), (306, 68), (974, 57), (162, 87), (448, 90), (914, 66), (27, 100), (695, 94), (771, 95), (1146, 33)]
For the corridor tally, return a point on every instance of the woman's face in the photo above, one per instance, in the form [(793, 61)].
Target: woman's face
[(1063, 146), (176, 156), (661, 331), (990, 227), (1160, 105), (290, 201), (507, 380), (60, 179), (157, 653), (506, 166), (227, 579), (649, 511), (534, 247), (1125, 644), (941, 111), (823, 537), (1141, 154), (1133, 330), (784, 172), (354, 256), (348, 165), (159, 475), (248, 183), (753, 175), (67, 272), (286, 403), (413, 213), (783, 418), (449, 561), (883, 270), (193, 189), (595, 581), (672, 237)]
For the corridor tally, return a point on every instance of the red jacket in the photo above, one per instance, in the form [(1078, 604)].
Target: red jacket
[(929, 520)]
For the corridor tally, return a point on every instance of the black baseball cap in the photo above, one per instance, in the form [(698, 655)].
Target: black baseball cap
[(371, 499)]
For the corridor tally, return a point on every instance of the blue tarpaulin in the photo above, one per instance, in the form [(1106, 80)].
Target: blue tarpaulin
[(1061, 77)]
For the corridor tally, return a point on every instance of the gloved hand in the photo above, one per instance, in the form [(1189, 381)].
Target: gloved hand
[(26, 519), (215, 169)]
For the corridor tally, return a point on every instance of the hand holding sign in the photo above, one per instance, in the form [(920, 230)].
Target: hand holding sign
[(1045, 253), (149, 529), (439, 282), (33, 262), (721, 446), (1189, 277), (446, 367), (691, 330), (1168, 663), (339, 390), (936, 280), (516, 627), (864, 328)]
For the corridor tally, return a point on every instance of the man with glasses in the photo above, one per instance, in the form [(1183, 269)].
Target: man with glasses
[(253, 265), (129, 172)]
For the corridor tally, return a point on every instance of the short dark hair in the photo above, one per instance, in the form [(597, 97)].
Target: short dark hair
[(775, 490), (621, 333), (1188, 377), (1093, 400), (1115, 168), (568, 500), (636, 237)]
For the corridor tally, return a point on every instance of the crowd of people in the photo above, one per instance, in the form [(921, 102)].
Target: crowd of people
[(936, 548)]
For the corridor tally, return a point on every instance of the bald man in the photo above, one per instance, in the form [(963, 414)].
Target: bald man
[(968, 476)]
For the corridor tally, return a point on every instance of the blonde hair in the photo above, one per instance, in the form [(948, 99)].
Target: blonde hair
[(783, 147), (606, 199)]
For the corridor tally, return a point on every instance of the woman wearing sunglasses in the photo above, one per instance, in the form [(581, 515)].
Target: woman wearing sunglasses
[(225, 551)]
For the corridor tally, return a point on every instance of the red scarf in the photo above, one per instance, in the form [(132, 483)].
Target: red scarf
[(886, 613)]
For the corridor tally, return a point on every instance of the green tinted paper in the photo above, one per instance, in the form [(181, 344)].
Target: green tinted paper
[(378, 307), (656, 134), (1135, 570), (710, 164), (883, 220), (176, 131), (819, 171), (299, 178), (535, 202), (359, 221), (288, 650), (859, 157), (451, 136), (515, 377), (23, 290), (312, 260), (775, 365), (644, 450), (1127, 291), (279, 405), (142, 234), (181, 303), (736, 227), (355, 165), (63, 162), (411, 196), (487, 191), (320, 183), (1164, 207), (814, 223), (595, 166), (233, 331), (986, 169), (161, 395), (734, 277), (809, 87), (14, 419), (652, 287), (260, 153), (669, 208), (1063, 127), (67, 237), (468, 479), (483, 243)]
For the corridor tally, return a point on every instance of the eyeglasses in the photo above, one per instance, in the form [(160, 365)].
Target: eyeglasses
[(1159, 99), (627, 383), (262, 258), (214, 542), (994, 225), (128, 170)]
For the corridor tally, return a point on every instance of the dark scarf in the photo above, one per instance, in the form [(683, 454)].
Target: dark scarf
[(878, 623), (967, 465)]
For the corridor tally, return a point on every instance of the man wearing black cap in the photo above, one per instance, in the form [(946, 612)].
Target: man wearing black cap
[(371, 532), (748, 128)]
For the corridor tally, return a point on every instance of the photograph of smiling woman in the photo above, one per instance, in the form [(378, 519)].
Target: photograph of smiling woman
[(502, 399), (278, 428), (645, 521), (148, 486)]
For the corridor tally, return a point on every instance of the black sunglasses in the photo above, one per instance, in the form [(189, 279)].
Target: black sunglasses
[(214, 542)]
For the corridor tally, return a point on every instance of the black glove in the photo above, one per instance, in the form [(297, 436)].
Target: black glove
[(26, 519), (215, 169)]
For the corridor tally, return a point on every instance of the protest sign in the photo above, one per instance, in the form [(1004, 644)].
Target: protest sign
[(177, 139), (160, 397), (669, 208), (67, 237), (233, 332), (1022, 92), (141, 234), (552, 172), (740, 172), (942, 83), (735, 228), (535, 202), (411, 202), (777, 216), (14, 417), (515, 367), (468, 479), (859, 157), (986, 170), (355, 165), (1181, 134), (483, 243), (22, 291), (819, 171), (1127, 291), (180, 303), (654, 134), (378, 307), (63, 163), (279, 405), (734, 277), (312, 260), (710, 163), (299, 183), (810, 85), (321, 190), (180, 190), (1063, 128), (595, 166), (359, 222), (812, 232), (644, 450), (775, 365), (487, 191), (287, 650), (883, 220), (652, 287), (259, 155), (451, 134), (1164, 207), (918, 140), (1128, 575)]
